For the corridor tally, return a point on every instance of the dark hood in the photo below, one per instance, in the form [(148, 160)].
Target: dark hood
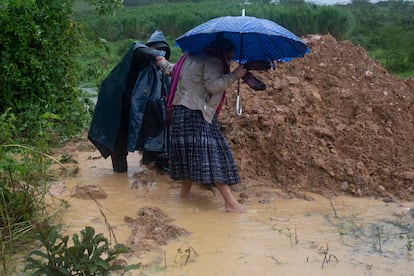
[(158, 40)]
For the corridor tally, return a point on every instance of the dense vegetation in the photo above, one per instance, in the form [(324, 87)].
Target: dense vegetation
[(385, 29), (38, 42), (40, 106)]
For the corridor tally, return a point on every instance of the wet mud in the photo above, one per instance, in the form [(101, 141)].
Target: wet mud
[(279, 235)]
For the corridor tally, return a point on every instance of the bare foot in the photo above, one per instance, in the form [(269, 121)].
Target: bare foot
[(234, 207), (230, 202)]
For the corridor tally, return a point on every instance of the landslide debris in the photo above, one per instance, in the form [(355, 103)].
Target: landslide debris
[(334, 122)]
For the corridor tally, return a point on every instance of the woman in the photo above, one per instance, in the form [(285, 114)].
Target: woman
[(198, 150)]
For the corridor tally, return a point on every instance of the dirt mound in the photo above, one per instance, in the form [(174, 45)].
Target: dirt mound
[(333, 122), (151, 228)]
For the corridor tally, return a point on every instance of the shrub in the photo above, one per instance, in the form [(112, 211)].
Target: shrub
[(37, 73)]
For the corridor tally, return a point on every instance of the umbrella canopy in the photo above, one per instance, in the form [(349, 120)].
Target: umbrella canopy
[(254, 38)]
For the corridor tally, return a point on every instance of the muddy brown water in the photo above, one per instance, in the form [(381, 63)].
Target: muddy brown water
[(281, 237)]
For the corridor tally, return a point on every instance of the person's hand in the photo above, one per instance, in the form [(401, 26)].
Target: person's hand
[(240, 71), (159, 60)]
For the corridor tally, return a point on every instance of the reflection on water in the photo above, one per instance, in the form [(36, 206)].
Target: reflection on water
[(90, 92), (283, 237)]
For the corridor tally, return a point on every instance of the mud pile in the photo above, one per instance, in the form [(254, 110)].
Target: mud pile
[(333, 122), (151, 228)]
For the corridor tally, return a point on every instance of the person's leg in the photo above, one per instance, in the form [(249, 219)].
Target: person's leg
[(119, 156), (230, 202), (148, 157), (185, 188)]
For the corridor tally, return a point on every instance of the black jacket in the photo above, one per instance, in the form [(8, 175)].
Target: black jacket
[(131, 106)]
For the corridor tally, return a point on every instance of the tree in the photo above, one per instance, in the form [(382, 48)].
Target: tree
[(37, 73), (105, 6)]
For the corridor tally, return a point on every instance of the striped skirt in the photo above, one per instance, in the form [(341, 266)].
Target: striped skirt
[(198, 150)]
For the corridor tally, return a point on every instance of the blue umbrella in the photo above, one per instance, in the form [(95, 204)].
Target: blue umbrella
[(255, 39)]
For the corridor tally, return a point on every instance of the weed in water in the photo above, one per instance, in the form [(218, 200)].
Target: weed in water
[(296, 236), (289, 235), (333, 208), (328, 257), (184, 254), (409, 244), (165, 260), (277, 261), (347, 225), (378, 229), (108, 225)]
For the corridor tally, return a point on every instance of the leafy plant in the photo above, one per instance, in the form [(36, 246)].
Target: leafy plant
[(90, 254), (38, 81), (7, 126)]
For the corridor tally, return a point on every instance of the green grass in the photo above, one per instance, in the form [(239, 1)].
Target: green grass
[(98, 59), (406, 74), (380, 54)]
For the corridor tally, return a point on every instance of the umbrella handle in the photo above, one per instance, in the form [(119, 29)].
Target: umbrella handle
[(239, 109)]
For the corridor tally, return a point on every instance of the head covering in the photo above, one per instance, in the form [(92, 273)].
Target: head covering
[(158, 41), (222, 44)]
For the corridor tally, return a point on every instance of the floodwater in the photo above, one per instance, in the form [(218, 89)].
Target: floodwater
[(282, 237)]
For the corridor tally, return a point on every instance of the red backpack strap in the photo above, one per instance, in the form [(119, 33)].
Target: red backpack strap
[(175, 76)]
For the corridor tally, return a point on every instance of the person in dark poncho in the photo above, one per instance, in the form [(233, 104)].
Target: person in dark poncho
[(130, 114), (160, 157), (198, 150)]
